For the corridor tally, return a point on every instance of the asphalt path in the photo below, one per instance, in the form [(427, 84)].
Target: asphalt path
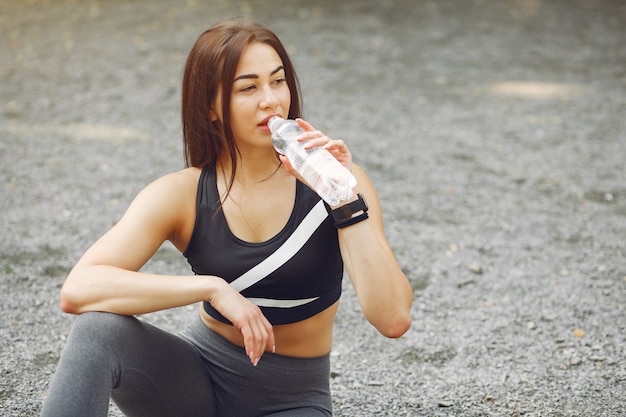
[(494, 131)]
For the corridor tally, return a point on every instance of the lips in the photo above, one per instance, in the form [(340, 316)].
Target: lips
[(267, 119)]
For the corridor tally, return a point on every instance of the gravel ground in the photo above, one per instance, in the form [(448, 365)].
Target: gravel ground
[(494, 131)]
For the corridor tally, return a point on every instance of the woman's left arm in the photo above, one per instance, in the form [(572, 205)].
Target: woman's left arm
[(384, 292)]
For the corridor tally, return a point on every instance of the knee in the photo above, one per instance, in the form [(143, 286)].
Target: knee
[(102, 328)]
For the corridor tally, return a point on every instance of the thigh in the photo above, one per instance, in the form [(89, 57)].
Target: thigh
[(158, 373), (147, 371), (293, 386)]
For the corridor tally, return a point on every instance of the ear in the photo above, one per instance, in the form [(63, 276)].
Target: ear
[(213, 115)]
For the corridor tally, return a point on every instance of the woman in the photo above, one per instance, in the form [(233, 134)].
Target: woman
[(268, 256)]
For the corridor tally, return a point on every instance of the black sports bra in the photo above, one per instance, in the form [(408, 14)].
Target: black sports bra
[(291, 277)]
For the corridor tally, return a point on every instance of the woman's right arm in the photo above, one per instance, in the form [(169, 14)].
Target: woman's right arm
[(106, 278)]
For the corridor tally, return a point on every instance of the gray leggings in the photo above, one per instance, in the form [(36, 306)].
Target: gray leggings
[(150, 372)]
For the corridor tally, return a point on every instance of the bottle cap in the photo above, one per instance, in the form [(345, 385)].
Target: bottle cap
[(274, 122)]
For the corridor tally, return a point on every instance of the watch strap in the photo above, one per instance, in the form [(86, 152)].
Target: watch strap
[(346, 211), (352, 220)]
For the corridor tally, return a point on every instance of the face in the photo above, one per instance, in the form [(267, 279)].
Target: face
[(259, 91)]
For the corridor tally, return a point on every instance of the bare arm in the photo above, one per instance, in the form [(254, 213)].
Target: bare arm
[(384, 292), (106, 278)]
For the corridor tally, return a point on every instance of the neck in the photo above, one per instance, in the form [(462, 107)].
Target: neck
[(251, 170)]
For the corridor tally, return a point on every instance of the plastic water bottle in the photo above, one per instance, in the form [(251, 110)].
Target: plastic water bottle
[(331, 180)]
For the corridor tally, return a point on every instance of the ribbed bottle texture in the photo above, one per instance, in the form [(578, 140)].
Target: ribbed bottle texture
[(331, 180)]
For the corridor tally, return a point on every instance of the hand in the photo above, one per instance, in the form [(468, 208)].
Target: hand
[(247, 318), (314, 138)]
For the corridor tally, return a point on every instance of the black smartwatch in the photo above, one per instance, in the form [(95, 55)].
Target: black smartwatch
[(343, 216)]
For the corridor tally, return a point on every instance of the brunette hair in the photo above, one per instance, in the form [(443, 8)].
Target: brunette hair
[(211, 65)]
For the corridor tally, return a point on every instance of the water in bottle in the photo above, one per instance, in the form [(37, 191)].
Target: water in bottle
[(331, 180)]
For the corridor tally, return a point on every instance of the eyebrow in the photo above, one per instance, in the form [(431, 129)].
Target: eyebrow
[(245, 76)]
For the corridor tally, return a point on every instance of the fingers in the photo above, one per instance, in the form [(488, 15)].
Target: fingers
[(258, 337), (287, 164), (248, 319), (314, 138), (304, 124), (336, 145)]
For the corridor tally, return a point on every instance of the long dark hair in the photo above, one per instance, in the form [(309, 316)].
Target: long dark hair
[(211, 65)]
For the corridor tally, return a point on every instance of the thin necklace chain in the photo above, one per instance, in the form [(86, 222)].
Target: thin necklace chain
[(242, 192)]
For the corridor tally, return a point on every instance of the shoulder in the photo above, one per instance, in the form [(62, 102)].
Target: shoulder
[(176, 182), (364, 184), (358, 172), (171, 189), (367, 188), (167, 203)]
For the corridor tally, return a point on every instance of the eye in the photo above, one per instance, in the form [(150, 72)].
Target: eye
[(247, 88), (279, 81)]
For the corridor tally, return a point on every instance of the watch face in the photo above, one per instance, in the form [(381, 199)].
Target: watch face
[(347, 210)]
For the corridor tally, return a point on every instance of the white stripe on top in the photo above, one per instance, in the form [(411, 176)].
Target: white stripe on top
[(286, 251)]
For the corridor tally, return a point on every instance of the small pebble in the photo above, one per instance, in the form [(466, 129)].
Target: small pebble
[(475, 268)]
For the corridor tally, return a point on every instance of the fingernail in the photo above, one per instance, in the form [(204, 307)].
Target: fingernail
[(274, 349), (256, 362)]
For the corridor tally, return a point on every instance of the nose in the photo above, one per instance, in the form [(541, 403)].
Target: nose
[(269, 99)]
